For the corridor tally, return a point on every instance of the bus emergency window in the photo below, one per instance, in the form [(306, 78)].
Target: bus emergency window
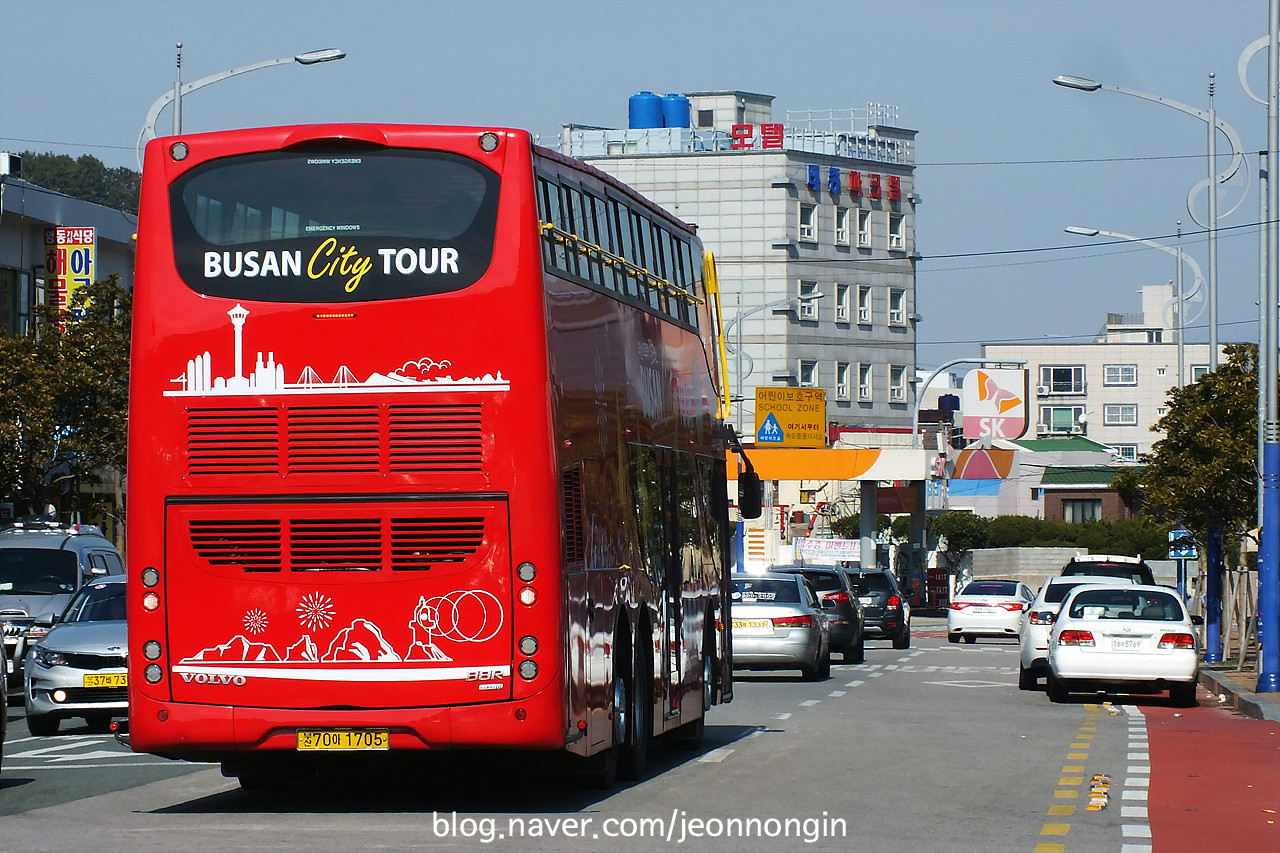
[(273, 225)]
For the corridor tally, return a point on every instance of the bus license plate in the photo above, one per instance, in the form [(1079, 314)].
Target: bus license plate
[(106, 679), (343, 740)]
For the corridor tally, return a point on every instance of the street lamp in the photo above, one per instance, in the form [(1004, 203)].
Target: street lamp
[(1181, 295), (179, 89), (1237, 158), (788, 304)]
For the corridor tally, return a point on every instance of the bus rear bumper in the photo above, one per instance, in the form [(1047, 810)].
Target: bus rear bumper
[(211, 732)]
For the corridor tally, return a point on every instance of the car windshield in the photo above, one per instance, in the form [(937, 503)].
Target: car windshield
[(1057, 592), (823, 581), (1126, 604), (767, 589), (991, 588), (37, 571), (871, 581), (99, 602)]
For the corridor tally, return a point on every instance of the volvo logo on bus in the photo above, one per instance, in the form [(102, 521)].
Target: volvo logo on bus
[(214, 678)]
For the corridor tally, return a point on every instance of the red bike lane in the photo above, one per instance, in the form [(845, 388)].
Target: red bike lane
[(1215, 780)]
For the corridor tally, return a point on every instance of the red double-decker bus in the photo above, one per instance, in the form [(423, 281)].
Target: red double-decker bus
[(425, 453)]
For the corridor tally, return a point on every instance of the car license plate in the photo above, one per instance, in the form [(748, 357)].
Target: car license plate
[(345, 740), (1126, 644), (748, 624), (106, 679), (866, 599), (983, 609)]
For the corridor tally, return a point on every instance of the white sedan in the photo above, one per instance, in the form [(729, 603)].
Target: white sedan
[(1033, 643), (1126, 638), (988, 608)]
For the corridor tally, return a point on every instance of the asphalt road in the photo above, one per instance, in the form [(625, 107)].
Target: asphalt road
[(929, 749)]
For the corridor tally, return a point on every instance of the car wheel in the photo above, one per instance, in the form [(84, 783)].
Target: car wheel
[(1056, 689), (43, 725), (857, 652), (824, 667), (970, 638), (903, 640), (953, 638), (1026, 678), (1183, 695)]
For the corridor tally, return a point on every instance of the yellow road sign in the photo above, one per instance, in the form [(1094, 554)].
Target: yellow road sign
[(791, 417)]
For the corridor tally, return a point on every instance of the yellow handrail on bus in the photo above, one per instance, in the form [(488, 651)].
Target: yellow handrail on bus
[(713, 291)]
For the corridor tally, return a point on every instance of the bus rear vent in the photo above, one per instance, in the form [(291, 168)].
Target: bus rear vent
[(378, 440)]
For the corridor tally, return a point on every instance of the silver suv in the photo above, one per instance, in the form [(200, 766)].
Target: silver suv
[(42, 563)]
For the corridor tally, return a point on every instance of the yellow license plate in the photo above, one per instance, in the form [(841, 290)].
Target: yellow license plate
[(343, 740), (752, 623), (106, 679)]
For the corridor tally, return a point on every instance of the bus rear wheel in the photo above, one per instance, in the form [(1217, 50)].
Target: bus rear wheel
[(637, 728)]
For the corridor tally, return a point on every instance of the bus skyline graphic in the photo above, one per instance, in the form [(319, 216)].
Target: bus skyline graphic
[(268, 375)]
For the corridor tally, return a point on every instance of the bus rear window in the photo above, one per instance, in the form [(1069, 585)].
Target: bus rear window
[(340, 225)]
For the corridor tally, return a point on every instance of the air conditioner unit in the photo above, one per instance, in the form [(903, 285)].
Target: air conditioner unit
[(1043, 429), (1077, 429), (1042, 390)]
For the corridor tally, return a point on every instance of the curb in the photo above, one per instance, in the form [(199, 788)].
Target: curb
[(1246, 702)]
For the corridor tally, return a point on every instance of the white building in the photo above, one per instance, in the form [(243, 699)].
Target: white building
[(812, 222), (1115, 388)]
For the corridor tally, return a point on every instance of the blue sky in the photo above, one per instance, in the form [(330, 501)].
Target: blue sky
[(1005, 159)]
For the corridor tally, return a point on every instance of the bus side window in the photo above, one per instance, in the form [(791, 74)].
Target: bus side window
[(622, 227), (639, 250)]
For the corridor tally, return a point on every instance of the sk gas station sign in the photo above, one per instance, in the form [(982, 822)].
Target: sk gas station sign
[(791, 417), (995, 403)]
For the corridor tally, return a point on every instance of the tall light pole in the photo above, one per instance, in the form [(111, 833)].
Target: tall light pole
[(179, 89), (1180, 295), (1084, 84), (786, 305)]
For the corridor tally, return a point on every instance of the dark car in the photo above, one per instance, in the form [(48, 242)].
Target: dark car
[(4, 707), (42, 563), (1132, 569), (885, 611), (844, 613)]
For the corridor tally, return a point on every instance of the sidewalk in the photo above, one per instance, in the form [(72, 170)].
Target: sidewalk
[(1222, 679)]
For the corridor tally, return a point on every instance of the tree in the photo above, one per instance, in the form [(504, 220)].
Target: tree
[(64, 402), (1203, 473), (963, 531), (850, 526), (85, 178)]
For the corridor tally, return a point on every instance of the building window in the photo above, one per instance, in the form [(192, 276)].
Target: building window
[(842, 226), (842, 380), (1060, 420), (864, 382), (897, 307), (1120, 374), (864, 303), (1056, 379), (1080, 510), (1198, 370), (864, 229), (1162, 411), (897, 232), (706, 118), (809, 222), (1126, 452), (1120, 414), (1159, 371), (808, 308), (897, 383), (842, 303), (808, 373)]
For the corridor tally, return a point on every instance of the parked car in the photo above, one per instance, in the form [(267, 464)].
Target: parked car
[(78, 668), (4, 706), (886, 613), (1033, 643), (988, 608), (1126, 638), (41, 564), (845, 617), (1132, 569), (778, 623)]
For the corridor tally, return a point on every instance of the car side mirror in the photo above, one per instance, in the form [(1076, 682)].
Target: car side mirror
[(750, 494), (46, 620), (1197, 620), (96, 572)]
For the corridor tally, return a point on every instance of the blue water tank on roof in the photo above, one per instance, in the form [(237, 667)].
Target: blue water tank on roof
[(644, 110), (675, 111)]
